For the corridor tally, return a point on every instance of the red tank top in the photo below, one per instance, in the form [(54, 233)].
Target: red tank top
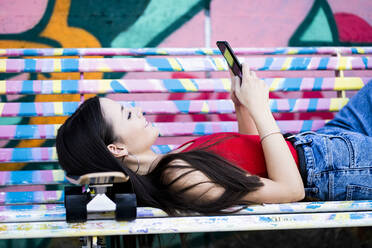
[(245, 151)]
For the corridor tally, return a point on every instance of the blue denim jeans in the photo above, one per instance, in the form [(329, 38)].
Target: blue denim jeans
[(337, 159)]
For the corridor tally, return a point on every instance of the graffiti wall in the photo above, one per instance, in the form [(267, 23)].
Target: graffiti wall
[(174, 23)]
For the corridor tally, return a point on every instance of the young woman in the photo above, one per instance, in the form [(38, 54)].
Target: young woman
[(214, 172)]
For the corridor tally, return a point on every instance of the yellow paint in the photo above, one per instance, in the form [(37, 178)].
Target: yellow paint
[(2, 65), (293, 51), (275, 84), (226, 84), (208, 51), (286, 64), (58, 175), (337, 103), (3, 228), (2, 51), (56, 126), (205, 108), (54, 154), (218, 62), (24, 227), (360, 50), (174, 63), (163, 52), (58, 108), (57, 86), (58, 51), (188, 85), (57, 65), (342, 63), (104, 86), (2, 87), (348, 83), (1, 108), (103, 67)]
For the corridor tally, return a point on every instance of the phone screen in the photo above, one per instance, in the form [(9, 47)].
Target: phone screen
[(230, 57)]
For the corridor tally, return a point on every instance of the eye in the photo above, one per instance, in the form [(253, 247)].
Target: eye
[(129, 114)]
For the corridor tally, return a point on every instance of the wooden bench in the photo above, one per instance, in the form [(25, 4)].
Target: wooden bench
[(186, 93)]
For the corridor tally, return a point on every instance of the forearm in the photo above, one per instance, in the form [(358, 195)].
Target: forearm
[(280, 163), (246, 124)]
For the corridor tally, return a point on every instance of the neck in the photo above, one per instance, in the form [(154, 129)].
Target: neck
[(142, 163)]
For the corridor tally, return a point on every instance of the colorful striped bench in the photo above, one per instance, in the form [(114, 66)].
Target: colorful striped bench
[(185, 92)]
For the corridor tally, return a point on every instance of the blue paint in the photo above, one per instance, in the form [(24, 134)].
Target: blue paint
[(307, 50), (117, 87), (299, 63), (69, 65), (30, 52), (161, 63), (69, 86), (357, 216), (183, 106), (27, 87), (19, 197), (265, 219), (354, 50), (318, 84), (25, 131), (27, 109), (323, 63), (30, 65), (21, 155), (70, 52), (292, 103), (274, 106), (365, 62), (292, 84), (312, 105), (69, 107), (199, 129), (268, 63), (313, 206), (277, 51), (307, 125), (285, 208), (21, 177)]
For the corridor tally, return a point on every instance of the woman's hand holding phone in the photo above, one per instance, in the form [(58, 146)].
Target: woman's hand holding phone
[(253, 93)]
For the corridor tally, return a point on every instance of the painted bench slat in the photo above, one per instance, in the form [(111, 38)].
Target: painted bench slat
[(32, 177), (32, 197), (179, 51), (181, 64), (166, 129), (49, 154), (31, 87), (57, 212), (185, 225), (11, 109)]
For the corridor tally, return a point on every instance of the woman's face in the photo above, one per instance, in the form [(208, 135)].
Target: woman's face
[(129, 125)]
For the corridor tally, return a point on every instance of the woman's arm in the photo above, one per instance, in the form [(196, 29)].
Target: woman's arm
[(246, 124), (284, 183)]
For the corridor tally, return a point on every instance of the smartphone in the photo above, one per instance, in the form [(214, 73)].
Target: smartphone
[(230, 57)]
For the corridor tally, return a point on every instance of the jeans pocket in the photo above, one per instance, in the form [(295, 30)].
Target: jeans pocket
[(357, 192), (360, 147)]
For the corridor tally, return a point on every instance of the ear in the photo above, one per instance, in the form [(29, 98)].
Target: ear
[(117, 150)]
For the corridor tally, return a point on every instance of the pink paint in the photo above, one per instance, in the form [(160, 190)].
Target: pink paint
[(7, 131), (5, 154), (18, 16), (328, 84), (257, 23)]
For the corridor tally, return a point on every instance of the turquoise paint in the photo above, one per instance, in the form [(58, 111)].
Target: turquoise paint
[(319, 29), (158, 15)]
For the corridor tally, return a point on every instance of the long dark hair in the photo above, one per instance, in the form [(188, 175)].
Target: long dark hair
[(82, 148)]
